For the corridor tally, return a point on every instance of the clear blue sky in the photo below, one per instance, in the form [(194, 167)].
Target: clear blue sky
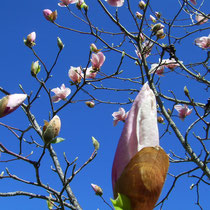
[(79, 123)]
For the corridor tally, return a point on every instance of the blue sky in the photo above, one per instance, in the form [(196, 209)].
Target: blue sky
[(79, 122)]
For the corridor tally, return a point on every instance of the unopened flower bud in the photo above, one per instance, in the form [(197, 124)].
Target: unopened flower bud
[(10, 103), (97, 189), (60, 43), (81, 4), (160, 119), (192, 186), (152, 18), (53, 16), (51, 129), (95, 143), (142, 5), (93, 48), (186, 91), (169, 111), (47, 13), (35, 68), (157, 27), (30, 41), (160, 34), (138, 15), (157, 14), (90, 104)]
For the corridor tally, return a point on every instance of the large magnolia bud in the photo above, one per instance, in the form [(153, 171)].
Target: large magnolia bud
[(140, 164), (51, 129), (10, 103), (143, 178)]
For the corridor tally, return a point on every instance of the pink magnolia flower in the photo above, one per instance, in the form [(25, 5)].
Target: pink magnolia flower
[(97, 60), (65, 3), (60, 93), (183, 111), (203, 42), (115, 3), (193, 2), (90, 73), (121, 115), (140, 130), (10, 103), (200, 19), (47, 13), (171, 63), (157, 68), (75, 74)]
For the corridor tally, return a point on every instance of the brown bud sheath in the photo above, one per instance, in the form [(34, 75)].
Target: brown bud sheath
[(143, 178)]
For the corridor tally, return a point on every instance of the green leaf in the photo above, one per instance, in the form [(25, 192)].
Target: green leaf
[(57, 140), (122, 202)]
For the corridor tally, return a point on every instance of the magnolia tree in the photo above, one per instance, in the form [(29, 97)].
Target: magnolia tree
[(144, 50)]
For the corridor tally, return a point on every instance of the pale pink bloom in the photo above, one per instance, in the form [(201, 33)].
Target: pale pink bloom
[(171, 63), (200, 19), (115, 3), (90, 73), (157, 68), (65, 3), (193, 2), (31, 37), (75, 74), (97, 60), (47, 13), (10, 103), (60, 93), (183, 111), (121, 115), (152, 18), (203, 42), (140, 130)]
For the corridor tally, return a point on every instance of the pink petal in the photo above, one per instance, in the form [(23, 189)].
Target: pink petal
[(115, 3)]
